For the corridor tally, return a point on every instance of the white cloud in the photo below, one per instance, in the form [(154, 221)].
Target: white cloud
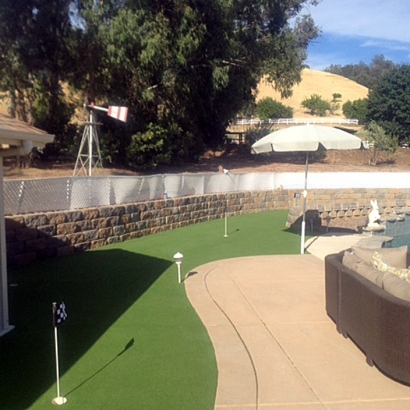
[(378, 19), (387, 45)]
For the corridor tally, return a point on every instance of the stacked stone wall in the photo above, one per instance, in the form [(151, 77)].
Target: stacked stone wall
[(32, 237)]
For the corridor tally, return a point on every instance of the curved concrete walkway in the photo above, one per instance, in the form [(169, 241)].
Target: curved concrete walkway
[(275, 346)]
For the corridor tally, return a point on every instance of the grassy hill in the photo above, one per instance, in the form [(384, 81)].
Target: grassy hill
[(315, 82)]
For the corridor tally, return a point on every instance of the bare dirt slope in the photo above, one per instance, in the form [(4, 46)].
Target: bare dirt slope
[(316, 82), (237, 159)]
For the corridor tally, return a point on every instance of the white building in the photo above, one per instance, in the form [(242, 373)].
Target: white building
[(16, 139)]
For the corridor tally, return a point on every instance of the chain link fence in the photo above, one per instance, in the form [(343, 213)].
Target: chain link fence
[(61, 194)]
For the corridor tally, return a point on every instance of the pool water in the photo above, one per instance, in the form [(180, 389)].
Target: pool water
[(398, 229)]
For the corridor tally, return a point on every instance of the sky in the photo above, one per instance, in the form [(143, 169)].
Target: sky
[(357, 30)]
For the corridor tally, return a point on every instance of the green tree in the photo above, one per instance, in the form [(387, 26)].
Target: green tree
[(389, 101), (379, 141), (36, 56), (356, 109), (194, 66), (367, 75), (336, 97), (316, 105), (269, 108)]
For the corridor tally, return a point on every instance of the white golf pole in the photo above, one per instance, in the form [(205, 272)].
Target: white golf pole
[(59, 400), (226, 224), (303, 227)]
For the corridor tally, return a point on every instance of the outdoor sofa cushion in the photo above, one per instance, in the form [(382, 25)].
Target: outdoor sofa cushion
[(370, 273), (396, 286), (396, 257), (355, 263)]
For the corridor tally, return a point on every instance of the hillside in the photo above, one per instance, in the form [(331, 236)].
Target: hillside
[(315, 82)]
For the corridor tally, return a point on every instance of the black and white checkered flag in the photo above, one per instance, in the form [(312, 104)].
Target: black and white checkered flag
[(59, 313)]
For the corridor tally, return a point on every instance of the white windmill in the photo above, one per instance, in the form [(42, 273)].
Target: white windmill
[(89, 154)]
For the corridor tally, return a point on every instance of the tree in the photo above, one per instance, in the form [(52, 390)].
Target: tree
[(269, 108), (379, 141), (316, 105), (36, 56), (356, 109), (336, 97), (193, 67), (389, 101), (364, 74)]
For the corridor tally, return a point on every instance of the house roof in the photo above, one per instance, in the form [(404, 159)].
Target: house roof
[(14, 132)]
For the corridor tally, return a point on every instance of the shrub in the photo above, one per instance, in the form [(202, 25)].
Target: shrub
[(317, 105), (269, 108)]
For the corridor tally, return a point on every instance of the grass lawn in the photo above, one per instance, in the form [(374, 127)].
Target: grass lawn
[(132, 339)]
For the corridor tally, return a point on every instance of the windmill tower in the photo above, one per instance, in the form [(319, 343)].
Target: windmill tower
[(89, 154)]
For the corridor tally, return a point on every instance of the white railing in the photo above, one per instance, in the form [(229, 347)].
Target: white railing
[(320, 120), (58, 194)]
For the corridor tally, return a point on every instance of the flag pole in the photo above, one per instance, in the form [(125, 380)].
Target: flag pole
[(303, 228), (226, 224), (58, 401)]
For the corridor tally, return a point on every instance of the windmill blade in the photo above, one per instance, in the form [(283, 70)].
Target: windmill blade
[(119, 113)]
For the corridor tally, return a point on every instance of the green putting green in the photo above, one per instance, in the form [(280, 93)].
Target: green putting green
[(132, 339)]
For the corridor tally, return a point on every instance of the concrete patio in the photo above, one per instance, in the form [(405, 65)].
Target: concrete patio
[(275, 346)]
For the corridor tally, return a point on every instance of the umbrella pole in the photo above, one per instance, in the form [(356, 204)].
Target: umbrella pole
[(302, 241)]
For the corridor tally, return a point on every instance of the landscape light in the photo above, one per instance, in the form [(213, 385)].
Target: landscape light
[(178, 260)]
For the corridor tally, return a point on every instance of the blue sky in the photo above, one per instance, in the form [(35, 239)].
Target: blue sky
[(357, 30)]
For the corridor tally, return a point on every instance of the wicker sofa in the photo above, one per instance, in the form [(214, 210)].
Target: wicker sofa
[(376, 320)]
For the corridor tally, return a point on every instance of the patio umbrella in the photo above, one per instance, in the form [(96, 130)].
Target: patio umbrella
[(306, 138)]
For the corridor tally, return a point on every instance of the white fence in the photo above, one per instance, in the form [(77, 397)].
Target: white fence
[(319, 120), (58, 194)]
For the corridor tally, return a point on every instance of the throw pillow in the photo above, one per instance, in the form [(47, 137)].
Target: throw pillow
[(396, 257), (378, 261), (396, 286)]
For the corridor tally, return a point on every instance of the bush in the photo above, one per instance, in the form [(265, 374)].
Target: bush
[(148, 148), (356, 109), (379, 141), (317, 105), (269, 108)]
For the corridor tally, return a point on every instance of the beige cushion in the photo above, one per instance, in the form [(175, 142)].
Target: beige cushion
[(396, 257), (350, 260), (396, 286), (370, 273)]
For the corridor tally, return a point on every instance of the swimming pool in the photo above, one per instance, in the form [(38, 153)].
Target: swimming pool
[(397, 227)]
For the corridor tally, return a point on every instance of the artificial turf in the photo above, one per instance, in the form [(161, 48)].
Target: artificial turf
[(132, 339)]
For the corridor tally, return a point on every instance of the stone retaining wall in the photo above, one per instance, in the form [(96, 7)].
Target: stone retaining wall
[(327, 205), (33, 237)]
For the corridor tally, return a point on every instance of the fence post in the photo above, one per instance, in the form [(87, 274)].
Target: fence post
[(20, 197), (69, 191)]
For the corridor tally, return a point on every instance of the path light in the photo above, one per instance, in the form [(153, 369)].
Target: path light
[(178, 260)]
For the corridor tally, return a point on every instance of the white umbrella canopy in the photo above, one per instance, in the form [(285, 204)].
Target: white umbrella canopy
[(306, 138)]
